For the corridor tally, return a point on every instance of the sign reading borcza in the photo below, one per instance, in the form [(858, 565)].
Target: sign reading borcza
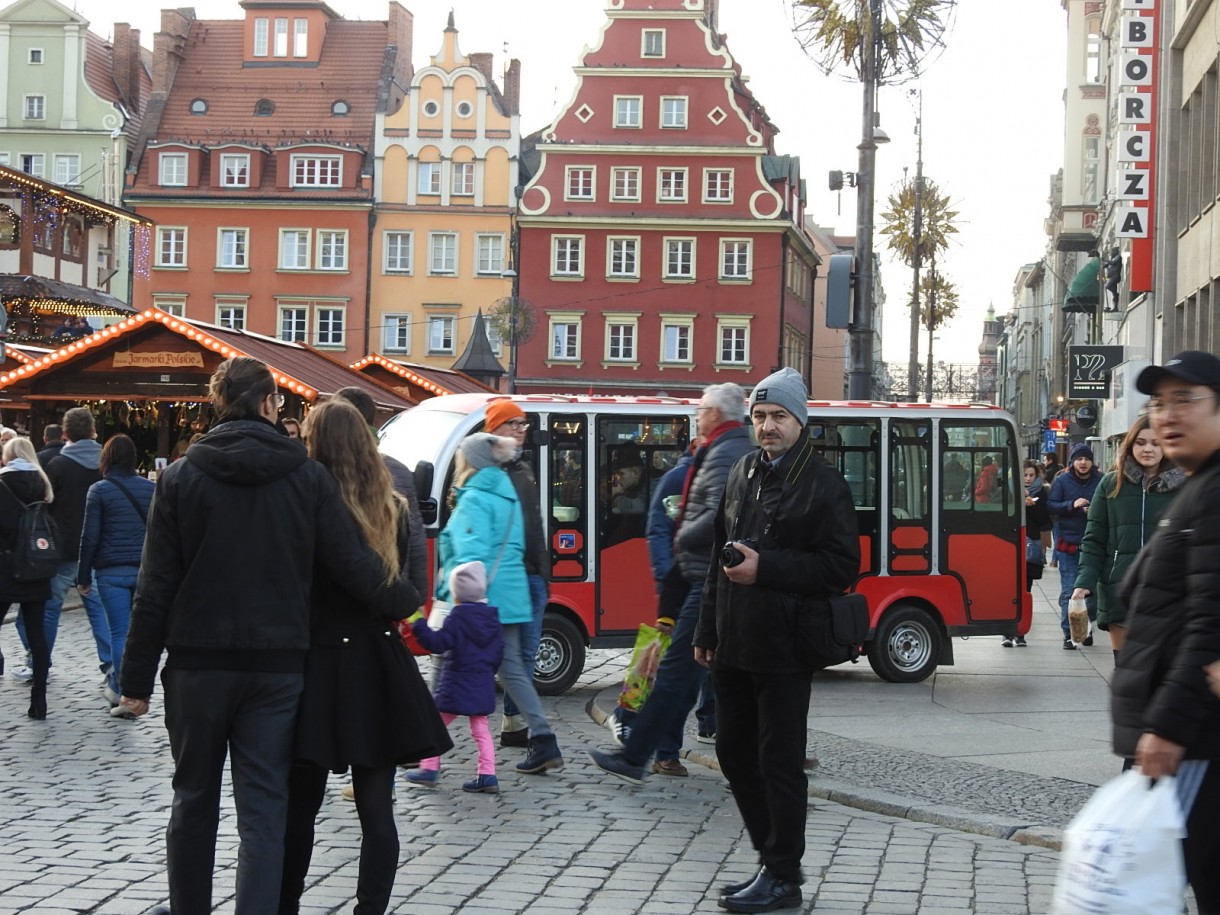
[(1089, 371)]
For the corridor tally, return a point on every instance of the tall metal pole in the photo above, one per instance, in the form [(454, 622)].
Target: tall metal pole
[(916, 260), (860, 374), (931, 319)]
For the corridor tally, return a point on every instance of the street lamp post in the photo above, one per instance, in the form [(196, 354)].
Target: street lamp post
[(916, 263)]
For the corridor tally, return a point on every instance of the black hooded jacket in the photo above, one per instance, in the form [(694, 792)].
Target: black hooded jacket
[(233, 535)]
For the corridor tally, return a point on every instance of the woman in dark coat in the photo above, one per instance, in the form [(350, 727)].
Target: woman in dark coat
[(24, 481), (365, 705), (1037, 520)]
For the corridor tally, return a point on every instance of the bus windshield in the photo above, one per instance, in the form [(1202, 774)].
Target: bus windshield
[(413, 436)]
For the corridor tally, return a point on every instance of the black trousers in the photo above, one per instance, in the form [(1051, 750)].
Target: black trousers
[(250, 717), (1201, 848), (32, 614), (378, 842), (761, 722)]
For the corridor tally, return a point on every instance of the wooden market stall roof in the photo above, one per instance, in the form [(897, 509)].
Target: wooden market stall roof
[(302, 370), (430, 381)]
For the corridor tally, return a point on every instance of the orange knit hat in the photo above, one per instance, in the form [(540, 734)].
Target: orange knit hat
[(501, 411)]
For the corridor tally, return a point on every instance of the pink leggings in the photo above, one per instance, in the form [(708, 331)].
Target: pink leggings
[(482, 739)]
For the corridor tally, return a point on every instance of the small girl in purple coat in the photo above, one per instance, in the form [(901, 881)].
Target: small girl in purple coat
[(472, 642)]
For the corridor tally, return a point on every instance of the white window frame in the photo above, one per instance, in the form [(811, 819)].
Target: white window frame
[(623, 332), (624, 116), (671, 243), (657, 37), (34, 164), (5, 158), (398, 252), (290, 335), (571, 341), (330, 326), (568, 244), (300, 37), (234, 169), (578, 173), (396, 328), (428, 179), (67, 169), (173, 169), (234, 255), (713, 182), (34, 107), (262, 33), (436, 322), (331, 247), (316, 171), (665, 185), (36, 57), (178, 238), (279, 47), (435, 239), (685, 326), (226, 311), (623, 257), (171, 304), (487, 244), (736, 270), (301, 252), (674, 112), (738, 324), (624, 171), (461, 183)]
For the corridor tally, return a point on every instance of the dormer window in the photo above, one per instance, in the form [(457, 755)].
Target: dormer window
[(300, 37), (261, 36), (652, 43), (199, 106), (340, 108), (264, 107)]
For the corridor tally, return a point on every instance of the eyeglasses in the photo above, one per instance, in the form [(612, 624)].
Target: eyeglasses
[(1174, 402), (279, 399), (518, 424)]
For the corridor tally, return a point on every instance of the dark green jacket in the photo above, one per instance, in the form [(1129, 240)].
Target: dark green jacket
[(1117, 529)]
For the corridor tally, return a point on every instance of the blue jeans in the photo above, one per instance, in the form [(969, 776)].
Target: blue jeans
[(517, 675), (531, 634), (116, 586), (64, 579), (1069, 565)]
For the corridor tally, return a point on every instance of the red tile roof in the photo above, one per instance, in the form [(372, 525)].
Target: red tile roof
[(438, 381)]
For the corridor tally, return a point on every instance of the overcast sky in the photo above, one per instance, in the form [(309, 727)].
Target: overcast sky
[(992, 117)]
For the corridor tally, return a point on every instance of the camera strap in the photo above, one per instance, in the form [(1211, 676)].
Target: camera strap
[(790, 471)]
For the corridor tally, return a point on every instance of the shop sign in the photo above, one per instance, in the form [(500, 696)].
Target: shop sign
[(1089, 370), (135, 360)]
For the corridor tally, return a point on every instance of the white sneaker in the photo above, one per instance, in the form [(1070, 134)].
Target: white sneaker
[(111, 696), (121, 711), (26, 673), (1007, 642)]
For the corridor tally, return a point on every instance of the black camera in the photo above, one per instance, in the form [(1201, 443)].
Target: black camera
[(731, 556)]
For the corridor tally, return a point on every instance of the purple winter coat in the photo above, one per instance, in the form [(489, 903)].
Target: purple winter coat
[(472, 641)]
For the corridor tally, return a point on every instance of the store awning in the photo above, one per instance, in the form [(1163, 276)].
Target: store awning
[(1085, 292), (48, 296)]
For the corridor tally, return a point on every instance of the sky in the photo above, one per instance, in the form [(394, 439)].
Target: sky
[(992, 120)]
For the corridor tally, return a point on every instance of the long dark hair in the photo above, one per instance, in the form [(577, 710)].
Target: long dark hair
[(119, 453), (238, 386)]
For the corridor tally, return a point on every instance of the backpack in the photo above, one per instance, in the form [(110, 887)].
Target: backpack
[(36, 553)]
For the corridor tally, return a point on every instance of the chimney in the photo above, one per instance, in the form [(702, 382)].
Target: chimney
[(167, 47), (481, 61), (126, 65), (512, 86), (401, 35), (712, 16)]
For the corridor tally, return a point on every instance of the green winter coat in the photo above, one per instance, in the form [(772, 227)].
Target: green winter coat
[(1117, 529)]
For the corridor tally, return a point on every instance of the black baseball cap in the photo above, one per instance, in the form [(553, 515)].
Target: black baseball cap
[(1192, 365)]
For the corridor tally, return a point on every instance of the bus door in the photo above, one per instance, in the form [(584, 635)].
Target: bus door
[(909, 484), (981, 511), (633, 453), (853, 446), (566, 501)]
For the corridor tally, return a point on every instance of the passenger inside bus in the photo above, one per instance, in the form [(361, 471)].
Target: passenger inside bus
[(628, 485)]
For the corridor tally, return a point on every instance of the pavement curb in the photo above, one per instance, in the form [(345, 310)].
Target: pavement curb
[(861, 797)]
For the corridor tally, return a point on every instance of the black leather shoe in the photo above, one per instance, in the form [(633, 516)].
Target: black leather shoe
[(730, 889), (159, 910), (764, 894)]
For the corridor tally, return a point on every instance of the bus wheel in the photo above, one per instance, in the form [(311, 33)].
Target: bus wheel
[(906, 645), (561, 656)]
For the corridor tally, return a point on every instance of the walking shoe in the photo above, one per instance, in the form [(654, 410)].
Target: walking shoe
[(25, 672), (518, 738), (544, 754), (670, 767), (1020, 640), (1088, 639), (482, 784), (120, 711), (111, 696), (765, 894), (423, 778), (1069, 645), (1007, 642), (620, 732), (706, 736), (617, 765)]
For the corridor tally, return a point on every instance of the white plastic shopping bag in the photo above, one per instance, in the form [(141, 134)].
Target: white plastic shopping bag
[(1122, 854)]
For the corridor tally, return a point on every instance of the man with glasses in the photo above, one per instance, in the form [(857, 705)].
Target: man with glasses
[(1165, 718)]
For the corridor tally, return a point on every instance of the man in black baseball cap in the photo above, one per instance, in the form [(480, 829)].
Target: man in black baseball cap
[(1193, 366)]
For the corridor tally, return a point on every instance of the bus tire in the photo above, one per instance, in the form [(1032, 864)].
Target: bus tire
[(906, 645), (561, 655)]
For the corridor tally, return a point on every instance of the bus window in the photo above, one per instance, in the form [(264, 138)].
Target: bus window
[(909, 460), (567, 524), (635, 454), (851, 447)]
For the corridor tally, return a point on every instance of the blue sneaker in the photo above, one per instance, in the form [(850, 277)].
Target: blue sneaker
[(423, 778), (618, 766), (482, 784)]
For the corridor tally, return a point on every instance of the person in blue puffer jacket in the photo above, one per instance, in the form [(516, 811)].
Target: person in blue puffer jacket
[(112, 539), (1071, 494)]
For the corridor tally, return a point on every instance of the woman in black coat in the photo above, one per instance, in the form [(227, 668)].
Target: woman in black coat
[(365, 705), (24, 481)]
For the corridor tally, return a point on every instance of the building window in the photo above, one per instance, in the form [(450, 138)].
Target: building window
[(580, 183), (261, 31), (300, 37), (622, 257), (671, 185), (398, 252), (73, 236), (232, 249), (568, 255), (1092, 55), (442, 253), (675, 340), (628, 110), (330, 326), (396, 333), (36, 56), (171, 305), (673, 111), (620, 340), (431, 108), (625, 184), (679, 258), (280, 48), (440, 335), (264, 108), (565, 338), (464, 109), (231, 316), (294, 324), (490, 260), (67, 169), (172, 169), (294, 249), (717, 185), (35, 107), (10, 227), (317, 171), (199, 106), (429, 178), (734, 343), (235, 170), (463, 179), (332, 249), (735, 259), (652, 43), (33, 164), (171, 247), (1090, 174), (340, 109)]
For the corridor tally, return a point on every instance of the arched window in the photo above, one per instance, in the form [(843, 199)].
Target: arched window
[(199, 106), (264, 107), (340, 108)]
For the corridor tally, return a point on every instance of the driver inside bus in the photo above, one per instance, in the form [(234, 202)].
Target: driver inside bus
[(628, 485)]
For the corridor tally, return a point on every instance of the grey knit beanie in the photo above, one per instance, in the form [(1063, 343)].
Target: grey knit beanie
[(786, 389), (485, 450), (468, 583)]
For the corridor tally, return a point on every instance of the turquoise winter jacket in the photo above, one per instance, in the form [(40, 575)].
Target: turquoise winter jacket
[(487, 523)]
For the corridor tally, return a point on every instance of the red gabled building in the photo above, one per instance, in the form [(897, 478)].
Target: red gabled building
[(255, 163), (661, 245)]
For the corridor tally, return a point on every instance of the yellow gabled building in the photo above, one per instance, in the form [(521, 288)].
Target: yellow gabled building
[(446, 182)]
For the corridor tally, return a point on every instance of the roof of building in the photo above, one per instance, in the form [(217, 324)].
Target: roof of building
[(99, 74), (436, 380), (67, 297), (478, 357)]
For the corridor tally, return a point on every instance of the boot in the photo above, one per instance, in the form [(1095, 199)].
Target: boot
[(38, 703), (543, 754)]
